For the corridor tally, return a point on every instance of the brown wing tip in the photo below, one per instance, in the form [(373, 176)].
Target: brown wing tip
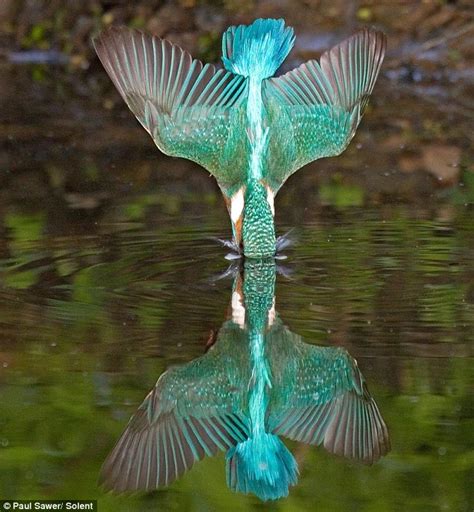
[(357, 430), (106, 34), (375, 36), (109, 36), (115, 30)]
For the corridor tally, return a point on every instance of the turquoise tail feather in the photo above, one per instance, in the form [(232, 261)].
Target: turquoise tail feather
[(257, 50), (261, 465)]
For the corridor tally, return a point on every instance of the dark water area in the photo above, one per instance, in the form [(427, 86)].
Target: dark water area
[(109, 276)]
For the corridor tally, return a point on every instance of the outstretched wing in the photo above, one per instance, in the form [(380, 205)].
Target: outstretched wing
[(327, 402), (315, 109), (191, 110), (192, 412)]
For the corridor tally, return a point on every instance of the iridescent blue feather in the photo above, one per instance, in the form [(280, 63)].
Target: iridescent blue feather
[(257, 50), (261, 465)]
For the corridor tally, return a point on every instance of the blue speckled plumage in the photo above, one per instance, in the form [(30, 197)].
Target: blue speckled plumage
[(258, 382), (242, 125)]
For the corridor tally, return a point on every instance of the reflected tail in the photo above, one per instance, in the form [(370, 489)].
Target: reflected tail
[(261, 465)]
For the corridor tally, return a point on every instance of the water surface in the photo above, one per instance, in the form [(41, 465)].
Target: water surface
[(109, 276)]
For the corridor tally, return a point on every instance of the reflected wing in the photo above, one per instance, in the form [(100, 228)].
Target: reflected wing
[(319, 104), (190, 110), (189, 414), (327, 402)]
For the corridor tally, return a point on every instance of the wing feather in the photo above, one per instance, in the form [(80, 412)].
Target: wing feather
[(328, 404), (172, 429), (191, 110), (320, 104)]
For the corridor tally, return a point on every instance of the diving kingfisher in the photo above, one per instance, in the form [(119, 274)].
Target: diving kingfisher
[(257, 383), (249, 129)]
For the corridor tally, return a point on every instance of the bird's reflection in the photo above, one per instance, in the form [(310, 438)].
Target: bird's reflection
[(257, 383)]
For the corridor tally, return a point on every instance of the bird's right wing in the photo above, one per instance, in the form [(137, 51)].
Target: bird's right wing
[(314, 109), (191, 110), (193, 411)]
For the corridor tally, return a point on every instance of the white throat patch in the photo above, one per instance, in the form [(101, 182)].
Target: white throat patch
[(271, 200), (238, 310), (237, 205)]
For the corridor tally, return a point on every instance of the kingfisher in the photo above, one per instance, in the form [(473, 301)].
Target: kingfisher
[(257, 383), (249, 129)]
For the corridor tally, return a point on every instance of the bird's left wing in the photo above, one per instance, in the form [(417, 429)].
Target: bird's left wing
[(314, 109), (326, 401), (191, 110)]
